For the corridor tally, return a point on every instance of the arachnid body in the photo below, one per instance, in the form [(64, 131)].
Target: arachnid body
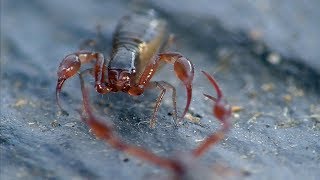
[(137, 54)]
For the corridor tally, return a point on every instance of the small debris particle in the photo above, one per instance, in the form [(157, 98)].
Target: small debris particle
[(62, 113), (70, 124), (267, 87), (236, 109), (253, 119), (55, 123), (199, 140), (192, 119), (287, 98), (289, 124), (295, 91), (274, 58), (20, 103), (236, 115)]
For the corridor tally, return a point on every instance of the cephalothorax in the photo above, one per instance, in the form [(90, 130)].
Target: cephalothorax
[(137, 54)]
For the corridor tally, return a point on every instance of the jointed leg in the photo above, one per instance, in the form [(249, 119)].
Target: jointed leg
[(183, 68), (222, 112), (163, 87), (105, 132), (71, 64)]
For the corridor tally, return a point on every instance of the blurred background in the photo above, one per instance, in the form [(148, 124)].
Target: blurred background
[(264, 55)]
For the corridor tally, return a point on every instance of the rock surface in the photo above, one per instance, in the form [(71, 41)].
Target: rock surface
[(264, 56)]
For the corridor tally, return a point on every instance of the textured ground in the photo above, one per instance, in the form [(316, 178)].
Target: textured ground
[(263, 54)]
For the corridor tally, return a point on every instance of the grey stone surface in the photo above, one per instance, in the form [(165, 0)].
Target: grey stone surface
[(263, 55)]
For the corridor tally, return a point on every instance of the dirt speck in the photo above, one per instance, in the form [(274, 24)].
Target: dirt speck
[(267, 87), (20, 103), (192, 118)]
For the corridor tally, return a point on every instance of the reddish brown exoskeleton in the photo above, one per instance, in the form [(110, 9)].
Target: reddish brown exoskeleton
[(137, 54), (184, 165)]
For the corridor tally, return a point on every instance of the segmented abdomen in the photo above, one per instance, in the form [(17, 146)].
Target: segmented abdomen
[(136, 29)]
